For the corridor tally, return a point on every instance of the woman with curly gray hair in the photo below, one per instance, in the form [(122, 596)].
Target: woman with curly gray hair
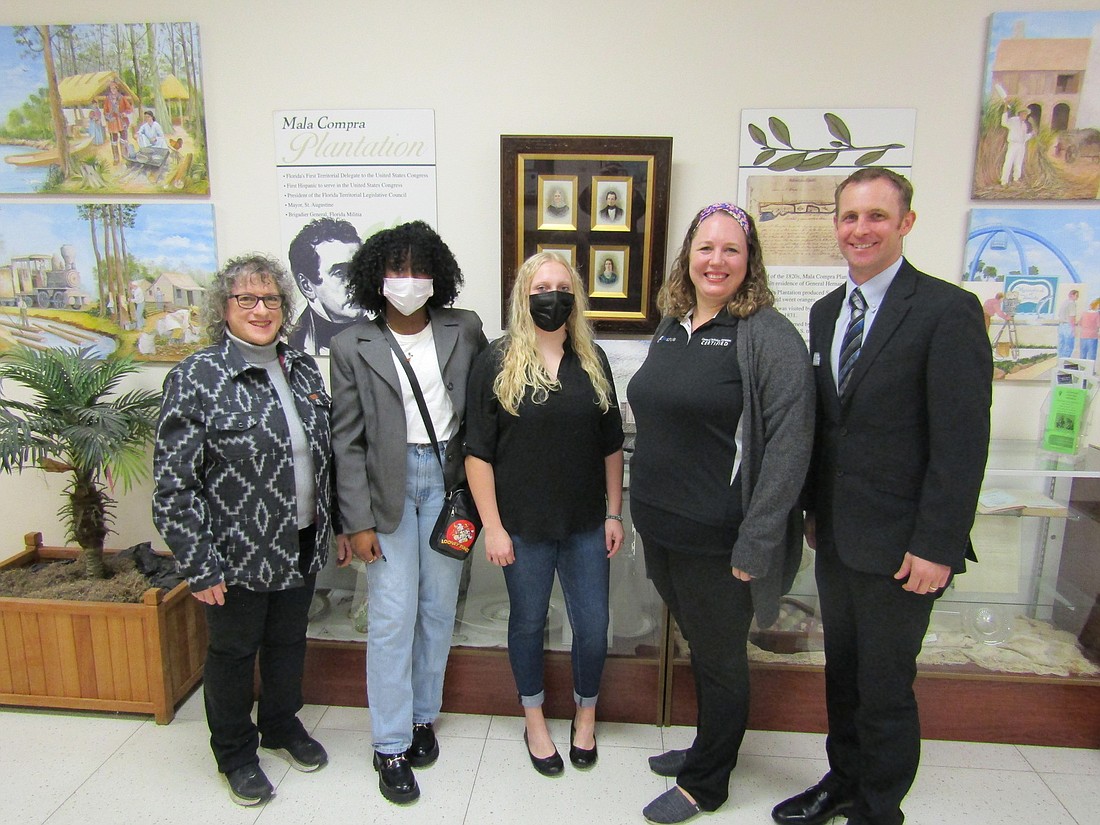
[(244, 500)]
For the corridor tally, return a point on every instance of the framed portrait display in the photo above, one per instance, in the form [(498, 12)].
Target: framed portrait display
[(601, 202)]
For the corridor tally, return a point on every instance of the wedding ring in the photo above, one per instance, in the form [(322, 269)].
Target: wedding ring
[(933, 588)]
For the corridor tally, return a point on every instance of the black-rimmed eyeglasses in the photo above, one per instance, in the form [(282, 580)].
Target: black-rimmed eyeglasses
[(246, 301)]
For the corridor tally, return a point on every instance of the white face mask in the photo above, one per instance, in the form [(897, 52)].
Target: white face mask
[(407, 294)]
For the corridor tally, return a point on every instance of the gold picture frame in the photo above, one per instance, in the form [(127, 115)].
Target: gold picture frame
[(557, 202), (609, 273), (637, 168), (566, 250)]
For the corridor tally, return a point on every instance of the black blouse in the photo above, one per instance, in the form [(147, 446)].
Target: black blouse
[(548, 461)]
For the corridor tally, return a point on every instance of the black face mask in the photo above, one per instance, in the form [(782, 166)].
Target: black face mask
[(549, 310)]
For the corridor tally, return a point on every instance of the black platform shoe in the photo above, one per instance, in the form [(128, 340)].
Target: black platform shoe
[(425, 747), (395, 778)]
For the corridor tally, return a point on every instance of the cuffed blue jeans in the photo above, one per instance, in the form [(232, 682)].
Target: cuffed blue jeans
[(583, 568), (412, 596)]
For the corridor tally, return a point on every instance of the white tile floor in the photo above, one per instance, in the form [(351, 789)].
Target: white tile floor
[(87, 769)]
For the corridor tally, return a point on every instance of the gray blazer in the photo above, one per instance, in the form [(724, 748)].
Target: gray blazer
[(368, 416)]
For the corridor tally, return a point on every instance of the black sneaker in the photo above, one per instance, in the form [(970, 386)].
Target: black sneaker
[(425, 747), (395, 778), (305, 754), (248, 786)]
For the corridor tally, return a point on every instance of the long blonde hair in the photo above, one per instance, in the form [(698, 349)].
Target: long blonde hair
[(521, 365)]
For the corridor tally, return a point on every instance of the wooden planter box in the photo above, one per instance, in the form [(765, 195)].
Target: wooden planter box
[(130, 658)]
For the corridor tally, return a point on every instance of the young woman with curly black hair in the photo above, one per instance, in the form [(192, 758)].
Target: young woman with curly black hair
[(393, 485)]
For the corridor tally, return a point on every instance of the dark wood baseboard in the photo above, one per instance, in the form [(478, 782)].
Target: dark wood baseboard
[(480, 681), (975, 707), (970, 707)]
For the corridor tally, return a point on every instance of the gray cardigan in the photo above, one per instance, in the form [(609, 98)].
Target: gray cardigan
[(777, 439)]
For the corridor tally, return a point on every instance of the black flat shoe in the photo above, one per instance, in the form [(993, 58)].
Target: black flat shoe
[(550, 766), (669, 763), (582, 758), (425, 747), (395, 778)]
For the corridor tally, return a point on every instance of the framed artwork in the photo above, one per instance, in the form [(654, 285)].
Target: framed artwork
[(125, 277), (1040, 295), (103, 109), (567, 251), (611, 204), (1039, 125), (616, 190), (557, 207), (609, 272)]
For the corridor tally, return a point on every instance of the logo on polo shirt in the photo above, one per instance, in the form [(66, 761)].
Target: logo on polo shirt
[(666, 339), (716, 342)]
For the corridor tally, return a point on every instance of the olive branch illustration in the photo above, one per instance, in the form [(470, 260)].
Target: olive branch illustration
[(804, 159)]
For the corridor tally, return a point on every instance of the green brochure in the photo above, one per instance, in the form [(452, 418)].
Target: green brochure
[(1065, 419)]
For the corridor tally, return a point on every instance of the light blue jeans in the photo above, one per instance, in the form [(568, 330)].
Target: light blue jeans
[(410, 612)]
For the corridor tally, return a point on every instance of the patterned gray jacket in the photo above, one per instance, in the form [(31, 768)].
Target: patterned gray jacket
[(225, 496)]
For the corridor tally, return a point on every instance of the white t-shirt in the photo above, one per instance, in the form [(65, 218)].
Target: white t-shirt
[(419, 350)]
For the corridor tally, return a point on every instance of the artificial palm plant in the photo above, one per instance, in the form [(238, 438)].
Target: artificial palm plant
[(71, 426)]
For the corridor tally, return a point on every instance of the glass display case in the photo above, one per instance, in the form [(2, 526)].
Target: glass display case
[(1013, 646), (1011, 655)]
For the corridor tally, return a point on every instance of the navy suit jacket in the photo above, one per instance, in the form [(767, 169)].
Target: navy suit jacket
[(898, 463)]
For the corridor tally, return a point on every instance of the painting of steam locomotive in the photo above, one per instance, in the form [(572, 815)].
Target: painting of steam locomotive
[(108, 277)]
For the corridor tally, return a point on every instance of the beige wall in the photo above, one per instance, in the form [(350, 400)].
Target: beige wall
[(493, 67)]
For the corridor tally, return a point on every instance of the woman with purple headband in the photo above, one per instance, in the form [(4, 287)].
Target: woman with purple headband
[(724, 405)]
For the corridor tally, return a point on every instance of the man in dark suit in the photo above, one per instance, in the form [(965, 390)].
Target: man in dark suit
[(319, 256), (611, 212), (903, 371)]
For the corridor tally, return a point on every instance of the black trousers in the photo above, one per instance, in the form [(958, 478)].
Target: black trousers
[(873, 633), (714, 611), (271, 625)]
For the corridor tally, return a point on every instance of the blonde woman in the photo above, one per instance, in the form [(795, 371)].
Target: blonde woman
[(545, 464)]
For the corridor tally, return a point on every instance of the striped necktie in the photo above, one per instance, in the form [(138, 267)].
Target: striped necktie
[(853, 340)]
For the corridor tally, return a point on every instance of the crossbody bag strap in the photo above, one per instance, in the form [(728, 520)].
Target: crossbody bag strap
[(417, 394)]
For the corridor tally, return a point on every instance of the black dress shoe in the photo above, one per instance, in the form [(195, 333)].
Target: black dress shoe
[(582, 758), (425, 747), (548, 766), (814, 806), (395, 778)]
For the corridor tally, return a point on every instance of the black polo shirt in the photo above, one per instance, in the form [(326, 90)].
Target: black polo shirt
[(687, 400)]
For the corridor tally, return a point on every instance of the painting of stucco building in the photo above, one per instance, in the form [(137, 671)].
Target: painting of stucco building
[(1039, 132)]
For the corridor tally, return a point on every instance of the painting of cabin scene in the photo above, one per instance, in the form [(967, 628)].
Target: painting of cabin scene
[(106, 276), (102, 109), (1039, 132)]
